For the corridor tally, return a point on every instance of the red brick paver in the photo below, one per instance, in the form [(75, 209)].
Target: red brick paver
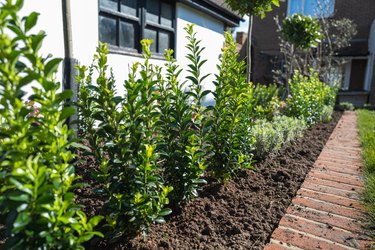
[(327, 212)]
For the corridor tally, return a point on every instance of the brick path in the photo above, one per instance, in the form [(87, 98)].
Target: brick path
[(327, 212)]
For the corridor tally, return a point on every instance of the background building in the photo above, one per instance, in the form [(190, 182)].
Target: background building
[(358, 81)]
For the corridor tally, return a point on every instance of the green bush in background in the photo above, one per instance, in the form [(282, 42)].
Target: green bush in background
[(308, 97), (266, 101), (345, 106)]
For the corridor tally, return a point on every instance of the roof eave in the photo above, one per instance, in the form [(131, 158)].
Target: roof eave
[(214, 10)]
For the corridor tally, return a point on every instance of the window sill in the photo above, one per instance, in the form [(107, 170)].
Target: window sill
[(112, 49)]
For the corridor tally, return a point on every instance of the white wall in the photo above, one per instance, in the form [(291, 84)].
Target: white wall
[(85, 36), (50, 21), (210, 31)]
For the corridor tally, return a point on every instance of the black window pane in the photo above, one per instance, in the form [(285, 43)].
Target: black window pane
[(129, 7), (107, 30), (127, 35), (151, 34), (109, 4), (152, 11), (166, 14), (164, 41)]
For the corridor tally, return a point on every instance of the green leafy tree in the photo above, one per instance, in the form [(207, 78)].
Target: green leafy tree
[(251, 8), (303, 33), (336, 35), (36, 172)]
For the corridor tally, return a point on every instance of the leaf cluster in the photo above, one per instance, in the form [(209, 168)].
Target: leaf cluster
[(266, 101), (252, 7), (308, 97), (125, 142), (230, 120), (303, 32), (37, 176), (183, 124)]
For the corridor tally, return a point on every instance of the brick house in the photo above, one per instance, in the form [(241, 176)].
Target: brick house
[(358, 84)]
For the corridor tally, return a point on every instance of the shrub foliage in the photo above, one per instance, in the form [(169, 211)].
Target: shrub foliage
[(183, 123), (124, 143), (152, 144), (36, 174), (308, 97), (229, 134)]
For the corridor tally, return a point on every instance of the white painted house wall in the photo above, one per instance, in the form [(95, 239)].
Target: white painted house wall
[(50, 21), (85, 36)]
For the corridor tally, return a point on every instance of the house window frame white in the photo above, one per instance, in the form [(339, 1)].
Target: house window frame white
[(303, 7)]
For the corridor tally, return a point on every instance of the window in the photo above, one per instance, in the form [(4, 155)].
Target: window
[(124, 23), (314, 8)]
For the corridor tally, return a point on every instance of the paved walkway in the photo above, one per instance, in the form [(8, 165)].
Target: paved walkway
[(327, 212)]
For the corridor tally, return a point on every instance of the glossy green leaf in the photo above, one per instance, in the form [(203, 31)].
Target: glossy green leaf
[(31, 21), (51, 66), (66, 113)]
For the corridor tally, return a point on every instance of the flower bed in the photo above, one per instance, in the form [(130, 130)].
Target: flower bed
[(149, 151), (239, 214)]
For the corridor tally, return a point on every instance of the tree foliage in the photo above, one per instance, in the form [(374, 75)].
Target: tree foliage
[(252, 7), (303, 32)]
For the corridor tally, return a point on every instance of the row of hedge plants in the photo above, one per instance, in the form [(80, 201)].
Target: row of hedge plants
[(154, 145)]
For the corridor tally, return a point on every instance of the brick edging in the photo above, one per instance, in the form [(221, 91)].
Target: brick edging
[(327, 212)]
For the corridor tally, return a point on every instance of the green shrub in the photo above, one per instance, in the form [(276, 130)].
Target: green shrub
[(266, 101), (231, 142), (292, 128), (182, 156), (271, 136), (308, 97), (36, 171), (327, 112), (267, 138), (345, 106), (125, 143)]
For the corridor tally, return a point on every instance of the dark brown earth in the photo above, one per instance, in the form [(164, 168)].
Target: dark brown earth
[(240, 214)]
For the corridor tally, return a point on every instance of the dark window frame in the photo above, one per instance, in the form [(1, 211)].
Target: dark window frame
[(141, 25)]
